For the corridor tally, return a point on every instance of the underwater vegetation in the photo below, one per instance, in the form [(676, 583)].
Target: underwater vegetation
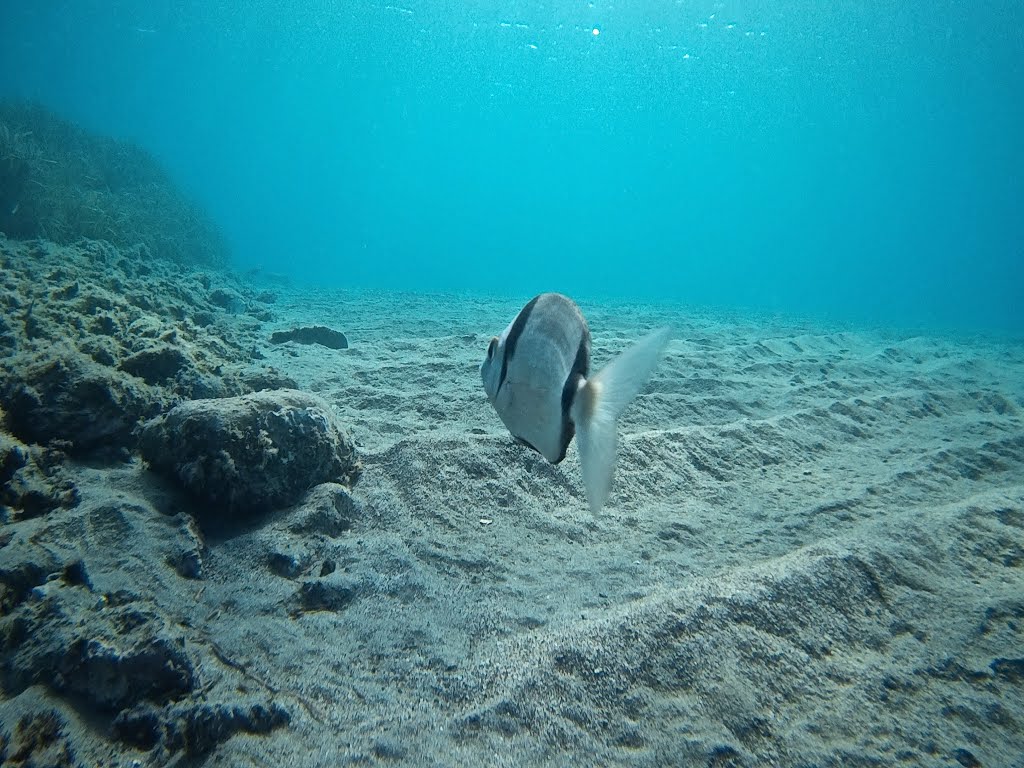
[(61, 183)]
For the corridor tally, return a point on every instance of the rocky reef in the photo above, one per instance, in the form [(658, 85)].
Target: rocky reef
[(136, 409), (60, 182)]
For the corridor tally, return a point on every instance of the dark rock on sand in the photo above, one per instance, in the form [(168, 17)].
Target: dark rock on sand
[(75, 574), (327, 594), (269, 379), (188, 564), (109, 655), (250, 454), (315, 334), (116, 676), (195, 729), (1009, 669), (188, 559), (285, 565), (25, 567)]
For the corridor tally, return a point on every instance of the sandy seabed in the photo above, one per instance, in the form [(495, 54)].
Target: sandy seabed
[(813, 555)]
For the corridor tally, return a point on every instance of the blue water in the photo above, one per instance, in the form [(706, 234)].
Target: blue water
[(859, 160)]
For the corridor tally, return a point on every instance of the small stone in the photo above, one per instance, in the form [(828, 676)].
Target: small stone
[(323, 596), (188, 564), (286, 566), (966, 758)]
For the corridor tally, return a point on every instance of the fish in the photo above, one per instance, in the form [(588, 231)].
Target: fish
[(536, 375)]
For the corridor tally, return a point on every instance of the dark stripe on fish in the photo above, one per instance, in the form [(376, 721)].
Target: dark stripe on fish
[(579, 371), (513, 338), (527, 443)]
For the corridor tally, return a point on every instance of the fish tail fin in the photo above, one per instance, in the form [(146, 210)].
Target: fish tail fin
[(596, 408)]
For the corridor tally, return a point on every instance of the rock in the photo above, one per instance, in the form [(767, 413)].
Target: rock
[(389, 749), (1009, 669), (249, 454), (188, 564), (228, 300), (18, 580), (94, 340), (966, 758), (195, 729), (285, 565), (323, 595), (141, 727), (62, 396), (188, 559), (115, 677), (106, 655), (268, 379), (31, 482), (157, 364), (315, 334), (39, 739), (13, 456), (25, 565)]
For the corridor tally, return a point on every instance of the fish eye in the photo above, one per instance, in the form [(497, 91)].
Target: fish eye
[(491, 347)]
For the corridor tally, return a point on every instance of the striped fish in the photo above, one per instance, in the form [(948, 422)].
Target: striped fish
[(536, 376)]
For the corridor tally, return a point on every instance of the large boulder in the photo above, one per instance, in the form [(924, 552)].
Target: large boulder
[(249, 454)]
